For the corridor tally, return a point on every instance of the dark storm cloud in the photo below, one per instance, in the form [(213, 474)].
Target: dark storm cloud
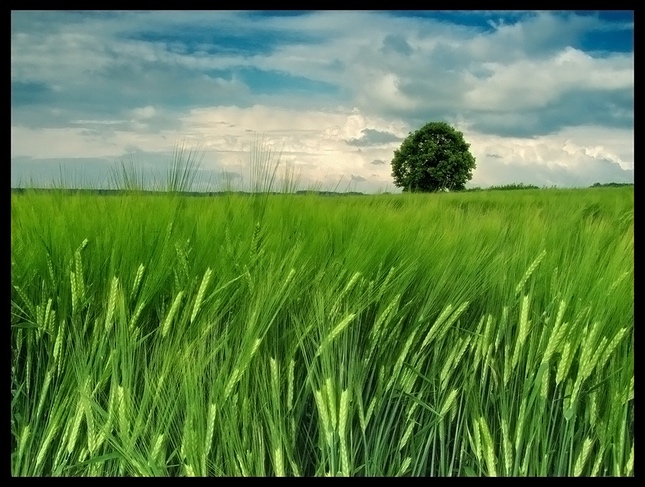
[(373, 137), (572, 108), (396, 43)]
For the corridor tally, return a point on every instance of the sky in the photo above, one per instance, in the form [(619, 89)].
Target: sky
[(542, 97)]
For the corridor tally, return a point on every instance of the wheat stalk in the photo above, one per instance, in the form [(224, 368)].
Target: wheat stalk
[(45, 445), (398, 365), (486, 341), (335, 332), (58, 345), (477, 443), (407, 381), (330, 393), (278, 461), (111, 304), (24, 436), (73, 285), (386, 282), (489, 452), (155, 451), (190, 472), (618, 280), (344, 292), (587, 364), (46, 315), (171, 314), (593, 407), (506, 446), (89, 418), (240, 369), (121, 410), (405, 466), (324, 415), (51, 320), (525, 463), (611, 347), (137, 314), (528, 272), (544, 388), (80, 284), (448, 403), (137, 279), (437, 326), (76, 425), (596, 464), (212, 411), (375, 333), (290, 383), (187, 441), (582, 457), (453, 318), (453, 360), (43, 394), (557, 334), (342, 431), (407, 433), (200, 294), (564, 364), (520, 426), (523, 330), (50, 269), (629, 465)]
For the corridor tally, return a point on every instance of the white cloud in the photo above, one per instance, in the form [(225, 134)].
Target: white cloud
[(92, 86), (571, 157), (144, 112), (534, 83)]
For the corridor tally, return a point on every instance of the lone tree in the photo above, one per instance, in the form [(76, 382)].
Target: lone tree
[(434, 158)]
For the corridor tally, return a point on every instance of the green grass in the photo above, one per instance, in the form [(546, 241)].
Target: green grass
[(481, 333)]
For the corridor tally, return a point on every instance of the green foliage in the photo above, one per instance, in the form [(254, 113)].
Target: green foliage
[(513, 186), (611, 185), (434, 158), (391, 335)]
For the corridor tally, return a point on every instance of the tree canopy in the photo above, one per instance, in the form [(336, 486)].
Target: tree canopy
[(434, 158)]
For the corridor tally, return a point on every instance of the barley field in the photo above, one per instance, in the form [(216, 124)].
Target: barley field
[(459, 334)]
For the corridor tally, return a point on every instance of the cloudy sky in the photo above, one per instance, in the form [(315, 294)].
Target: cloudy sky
[(544, 98)]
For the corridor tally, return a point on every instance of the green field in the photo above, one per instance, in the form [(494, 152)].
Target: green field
[(454, 334)]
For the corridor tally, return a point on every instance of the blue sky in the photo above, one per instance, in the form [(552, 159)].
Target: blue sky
[(544, 98)]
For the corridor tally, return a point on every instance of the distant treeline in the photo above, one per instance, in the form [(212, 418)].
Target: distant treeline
[(110, 192), (505, 187), (611, 185)]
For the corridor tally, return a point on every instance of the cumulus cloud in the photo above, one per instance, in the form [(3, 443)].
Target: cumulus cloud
[(561, 159), (371, 137), (332, 92), (396, 43)]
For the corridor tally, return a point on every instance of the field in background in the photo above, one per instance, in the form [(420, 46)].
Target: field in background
[(481, 333)]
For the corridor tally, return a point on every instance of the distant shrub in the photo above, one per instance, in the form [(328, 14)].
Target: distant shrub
[(512, 186), (434, 158), (611, 185)]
